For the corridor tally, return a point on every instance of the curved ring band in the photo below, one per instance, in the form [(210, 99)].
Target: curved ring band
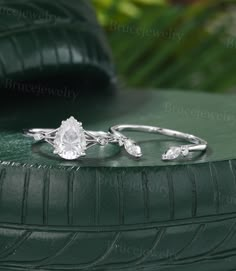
[(172, 153)]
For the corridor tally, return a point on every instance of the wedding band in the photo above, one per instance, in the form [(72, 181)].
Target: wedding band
[(172, 153), (71, 141)]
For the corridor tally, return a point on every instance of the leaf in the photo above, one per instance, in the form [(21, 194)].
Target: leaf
[(193, 56)]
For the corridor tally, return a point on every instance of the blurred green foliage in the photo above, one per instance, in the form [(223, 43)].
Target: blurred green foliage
[(161, 45)]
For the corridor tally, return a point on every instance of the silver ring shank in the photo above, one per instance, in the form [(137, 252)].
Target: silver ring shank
[(199, 144), (45, 132)]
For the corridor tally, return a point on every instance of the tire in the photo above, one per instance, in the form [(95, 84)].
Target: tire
[(53, 48), (108, 211)]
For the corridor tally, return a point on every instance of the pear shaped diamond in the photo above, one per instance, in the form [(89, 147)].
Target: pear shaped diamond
[(70, 141)]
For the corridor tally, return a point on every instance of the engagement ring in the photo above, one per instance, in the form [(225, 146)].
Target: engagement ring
[(70, 140)]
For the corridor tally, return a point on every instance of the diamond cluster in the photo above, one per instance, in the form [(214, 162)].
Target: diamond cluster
[(70, 140)]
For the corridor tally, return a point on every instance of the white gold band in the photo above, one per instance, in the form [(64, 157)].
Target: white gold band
[(172, 153)]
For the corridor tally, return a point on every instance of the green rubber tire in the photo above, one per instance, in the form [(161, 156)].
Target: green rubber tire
[(107, 211)]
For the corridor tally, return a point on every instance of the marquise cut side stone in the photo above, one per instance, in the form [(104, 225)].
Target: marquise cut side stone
[(132, 148), (175, 152), (172, 153)]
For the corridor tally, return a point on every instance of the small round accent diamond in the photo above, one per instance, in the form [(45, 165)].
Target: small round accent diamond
[(184, 151), (70, 140), (103, 141)]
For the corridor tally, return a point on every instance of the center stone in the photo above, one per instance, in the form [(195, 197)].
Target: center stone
[(70, 140)]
